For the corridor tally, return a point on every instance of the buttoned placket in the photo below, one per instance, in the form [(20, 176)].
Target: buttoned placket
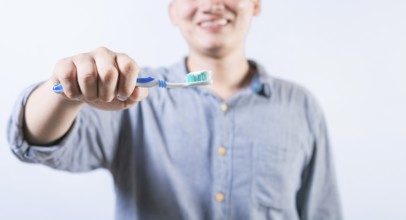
[(222, 162)]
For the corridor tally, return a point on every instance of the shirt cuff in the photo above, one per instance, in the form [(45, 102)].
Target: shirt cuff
[(28, 152)]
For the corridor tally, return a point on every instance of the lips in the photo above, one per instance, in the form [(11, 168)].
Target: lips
[(214, 23)]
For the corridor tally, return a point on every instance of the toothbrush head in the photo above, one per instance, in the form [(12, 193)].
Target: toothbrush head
[(203, 76)]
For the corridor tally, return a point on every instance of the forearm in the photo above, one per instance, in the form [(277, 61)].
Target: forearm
[(48, 116)]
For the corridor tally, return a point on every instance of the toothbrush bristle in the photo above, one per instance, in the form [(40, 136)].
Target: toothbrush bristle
[(198, 76)]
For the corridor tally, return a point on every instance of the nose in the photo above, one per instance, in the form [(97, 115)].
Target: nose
[(213, 6)]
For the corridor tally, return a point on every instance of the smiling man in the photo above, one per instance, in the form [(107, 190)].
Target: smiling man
[(249, 146)]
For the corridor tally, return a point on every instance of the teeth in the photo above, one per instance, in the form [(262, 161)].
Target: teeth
[(207, 24), (221, 22)]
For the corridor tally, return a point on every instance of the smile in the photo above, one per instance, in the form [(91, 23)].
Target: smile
[(214, 23)]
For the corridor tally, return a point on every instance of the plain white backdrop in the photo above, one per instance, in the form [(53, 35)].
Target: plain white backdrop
[(350, 53)]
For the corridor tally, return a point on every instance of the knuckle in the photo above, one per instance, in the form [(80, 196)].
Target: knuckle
[(128, 65), (102, 49), (66, 75), (108, 73), (64, 70), (83, 57), (88, 77)]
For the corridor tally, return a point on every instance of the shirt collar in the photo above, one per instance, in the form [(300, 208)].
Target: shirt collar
[(261, 82)]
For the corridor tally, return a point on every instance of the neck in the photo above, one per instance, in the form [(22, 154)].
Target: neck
[(230, 72)]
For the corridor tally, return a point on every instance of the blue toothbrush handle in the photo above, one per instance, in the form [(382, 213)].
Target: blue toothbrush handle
[(144, 80), (141, 82), (150, 82)]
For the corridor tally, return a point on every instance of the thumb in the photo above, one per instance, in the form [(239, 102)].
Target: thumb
[(138, 94)]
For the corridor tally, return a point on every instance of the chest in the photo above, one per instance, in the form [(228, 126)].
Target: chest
[(242, 141)]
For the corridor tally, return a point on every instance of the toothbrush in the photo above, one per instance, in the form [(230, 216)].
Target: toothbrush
[(196, 78)]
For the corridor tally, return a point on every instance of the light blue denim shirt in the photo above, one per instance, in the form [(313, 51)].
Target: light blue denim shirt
[(187, 154)]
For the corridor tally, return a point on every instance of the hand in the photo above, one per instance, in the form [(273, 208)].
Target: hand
[(101, 78)]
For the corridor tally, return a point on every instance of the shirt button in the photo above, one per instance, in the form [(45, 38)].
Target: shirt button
[(219, 197), (222, 151), (224, 107)]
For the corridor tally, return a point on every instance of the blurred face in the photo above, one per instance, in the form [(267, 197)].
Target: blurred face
[(214, 26)]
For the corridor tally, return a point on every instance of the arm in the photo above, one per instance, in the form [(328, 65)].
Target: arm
[(69, 131), (102, 78), (48, 116), (318, 197)]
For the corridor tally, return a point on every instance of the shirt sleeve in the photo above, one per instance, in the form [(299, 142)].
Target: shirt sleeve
[(89, 144), (318, 197)]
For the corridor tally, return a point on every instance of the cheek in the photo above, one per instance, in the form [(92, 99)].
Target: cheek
[(240, 8), (233, 4), (185, 12), (243, 5), (186, 9)]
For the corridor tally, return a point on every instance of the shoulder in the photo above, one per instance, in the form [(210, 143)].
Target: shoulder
[(294, 92), (281, 90), (302, 99), (291, 96), (289, 90)]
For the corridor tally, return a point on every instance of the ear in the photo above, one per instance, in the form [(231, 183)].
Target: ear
[(172, 12), (257, 7)]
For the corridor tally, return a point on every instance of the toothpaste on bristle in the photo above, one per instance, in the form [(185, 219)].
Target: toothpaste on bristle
[(198, 76)]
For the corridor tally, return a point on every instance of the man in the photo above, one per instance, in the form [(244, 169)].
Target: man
[(249, 146)]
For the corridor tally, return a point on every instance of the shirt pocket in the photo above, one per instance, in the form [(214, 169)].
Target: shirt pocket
[(267, 185)]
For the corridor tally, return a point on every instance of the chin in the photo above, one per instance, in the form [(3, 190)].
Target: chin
[(216, 52), (214, 46)]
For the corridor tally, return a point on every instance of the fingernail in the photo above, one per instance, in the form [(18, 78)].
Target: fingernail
[(122, 97)]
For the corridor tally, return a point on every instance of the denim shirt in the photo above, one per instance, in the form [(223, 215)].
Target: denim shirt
[(187, 154)]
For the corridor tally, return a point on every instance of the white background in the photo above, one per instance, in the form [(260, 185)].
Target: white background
[(350, 53)]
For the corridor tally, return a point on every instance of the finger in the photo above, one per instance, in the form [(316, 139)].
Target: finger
[(87, 76), (65, 74), (138, 94), (128, 72), (108, 74)]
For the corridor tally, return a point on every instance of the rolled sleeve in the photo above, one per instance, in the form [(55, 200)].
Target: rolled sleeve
[(89, 144)]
